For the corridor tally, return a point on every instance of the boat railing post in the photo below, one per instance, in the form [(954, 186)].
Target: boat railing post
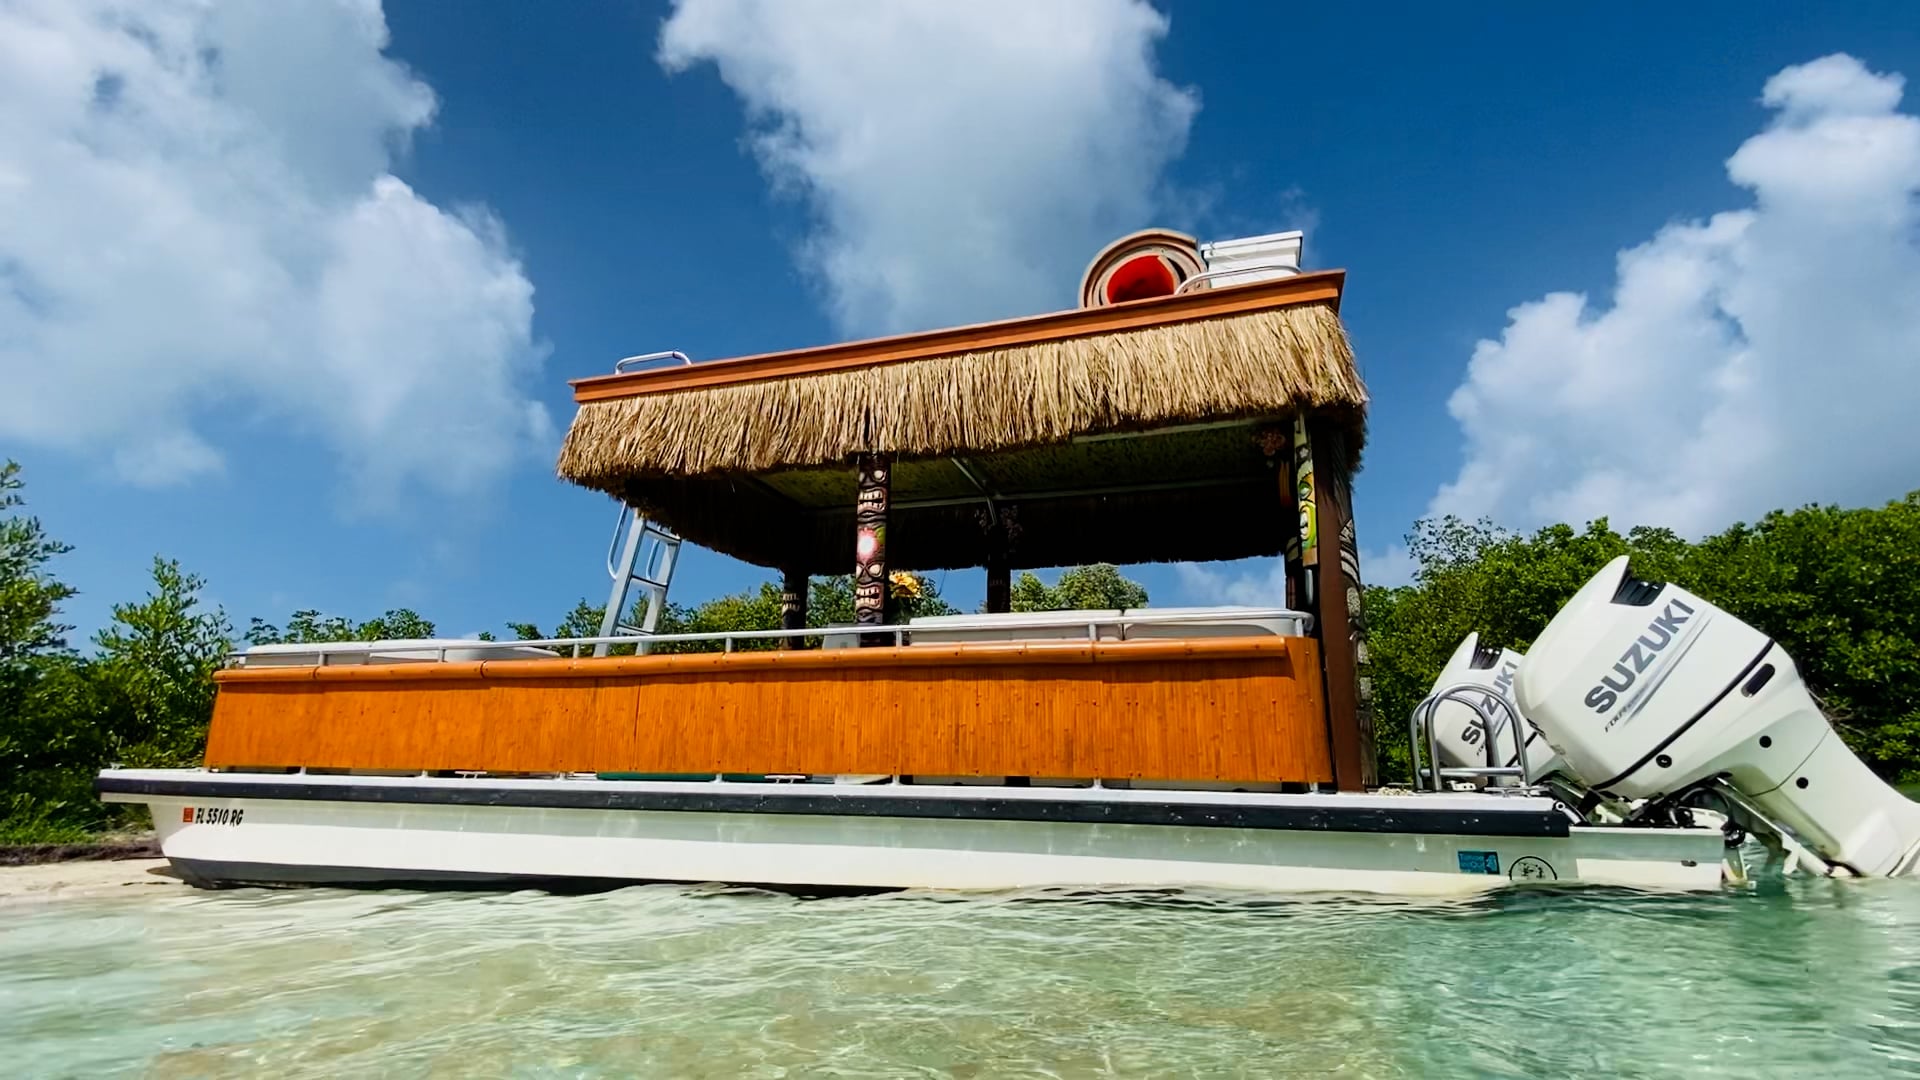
[(1416, 722), (1491, 745), (1482, 702), (1522, 732), (1433, 747), (1420, 733)]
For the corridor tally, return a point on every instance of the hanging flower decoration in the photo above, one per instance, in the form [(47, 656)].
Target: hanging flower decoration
[(905, 585)]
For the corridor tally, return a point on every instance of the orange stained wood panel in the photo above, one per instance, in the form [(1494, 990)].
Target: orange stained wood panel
[(1246, 709)]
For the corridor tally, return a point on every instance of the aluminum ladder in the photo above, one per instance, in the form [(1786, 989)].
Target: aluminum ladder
[(647, 551)]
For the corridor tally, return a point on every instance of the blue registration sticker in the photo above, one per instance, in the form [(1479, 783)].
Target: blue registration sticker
[(1479, 862)]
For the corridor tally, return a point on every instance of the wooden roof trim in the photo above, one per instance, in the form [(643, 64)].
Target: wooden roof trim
[(1317, 287), (1261, 647)]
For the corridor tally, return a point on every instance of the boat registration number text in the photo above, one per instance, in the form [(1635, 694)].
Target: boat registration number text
[(211, 815)]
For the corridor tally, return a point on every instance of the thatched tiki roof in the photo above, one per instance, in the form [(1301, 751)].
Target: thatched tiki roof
[(1124, 433)]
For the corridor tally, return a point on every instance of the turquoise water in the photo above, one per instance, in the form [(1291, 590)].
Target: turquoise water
[(1789, 979)]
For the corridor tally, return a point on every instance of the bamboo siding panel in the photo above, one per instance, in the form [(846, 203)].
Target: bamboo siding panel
[(1246, 709)]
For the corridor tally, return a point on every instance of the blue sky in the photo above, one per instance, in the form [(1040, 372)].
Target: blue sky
[(231, 339)]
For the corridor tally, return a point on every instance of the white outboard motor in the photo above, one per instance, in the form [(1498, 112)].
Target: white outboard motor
[(1646, 690), (1457, 730)]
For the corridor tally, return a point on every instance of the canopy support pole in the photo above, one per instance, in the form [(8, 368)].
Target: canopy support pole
[(1324, 477), (870, 545), (999, 586), (999, 522), (793, 604), (1278, 443)]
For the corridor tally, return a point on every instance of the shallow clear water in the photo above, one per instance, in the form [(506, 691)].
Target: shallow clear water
[(1789, 979)]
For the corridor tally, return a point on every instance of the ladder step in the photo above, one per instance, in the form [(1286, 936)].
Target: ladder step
[(648, 565)]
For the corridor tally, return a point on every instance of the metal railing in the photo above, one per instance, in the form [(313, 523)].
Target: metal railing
[(621, 366), (1482, 700), (413, 651), (405, 651)]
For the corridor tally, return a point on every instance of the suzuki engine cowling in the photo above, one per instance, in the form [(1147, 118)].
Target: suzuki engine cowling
[(1457, 730), (1646, 689)]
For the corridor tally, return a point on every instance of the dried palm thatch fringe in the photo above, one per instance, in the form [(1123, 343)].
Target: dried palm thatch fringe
[(1259, 363)]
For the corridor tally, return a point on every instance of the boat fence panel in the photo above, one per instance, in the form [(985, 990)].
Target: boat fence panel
[(1226, 709)]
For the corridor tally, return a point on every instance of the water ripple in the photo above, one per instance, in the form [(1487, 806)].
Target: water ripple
[(1783, 979)]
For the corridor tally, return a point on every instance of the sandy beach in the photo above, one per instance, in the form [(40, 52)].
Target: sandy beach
[(81, 879)]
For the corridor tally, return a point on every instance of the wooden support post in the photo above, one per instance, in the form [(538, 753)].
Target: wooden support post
[(1337, 604), (793, 605), (999, 586), (870, 545), (1000, 527), (1306, 505), (1278, 444)]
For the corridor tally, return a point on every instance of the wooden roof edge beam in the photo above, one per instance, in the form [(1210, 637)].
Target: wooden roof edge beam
[(1324, 286)]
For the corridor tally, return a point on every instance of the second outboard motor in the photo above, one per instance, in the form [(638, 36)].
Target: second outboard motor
[(1648, 690), (1457, 730)]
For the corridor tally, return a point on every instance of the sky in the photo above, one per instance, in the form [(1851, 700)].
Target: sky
[(291, 293)]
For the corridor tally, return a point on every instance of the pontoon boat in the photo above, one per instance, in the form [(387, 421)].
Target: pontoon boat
[(1202, 404)]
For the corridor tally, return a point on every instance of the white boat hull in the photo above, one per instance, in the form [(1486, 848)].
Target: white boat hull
[(227, 829)]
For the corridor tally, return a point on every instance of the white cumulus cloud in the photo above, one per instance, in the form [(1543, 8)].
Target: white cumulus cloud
[(1766, 357), (1250, 582), (961, 161), (199, 230), (1263, 582)]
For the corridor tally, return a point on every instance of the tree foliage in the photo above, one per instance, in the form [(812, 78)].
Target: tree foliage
[(830, 599), (42, 691), (310, 627), (155, 662), (143, 698), (1098, 587), (1476, 577), (829, 603), (29, 597), (1839, 589)]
